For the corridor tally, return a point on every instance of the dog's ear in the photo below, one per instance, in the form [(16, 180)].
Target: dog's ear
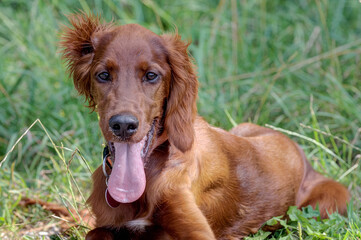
[(181, 106), (78, 44)]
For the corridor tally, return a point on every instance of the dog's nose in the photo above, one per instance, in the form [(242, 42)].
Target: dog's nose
[(123, 126)]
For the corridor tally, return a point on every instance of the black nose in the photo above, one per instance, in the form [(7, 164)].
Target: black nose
[(123, 126)]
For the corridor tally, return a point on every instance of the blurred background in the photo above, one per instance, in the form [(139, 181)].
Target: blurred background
[(294, 65)]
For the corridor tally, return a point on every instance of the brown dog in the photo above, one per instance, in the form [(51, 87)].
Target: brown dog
[(173, 175)]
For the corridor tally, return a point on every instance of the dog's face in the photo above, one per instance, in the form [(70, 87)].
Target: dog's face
[(139, 83), (130, 80), (127, 73)]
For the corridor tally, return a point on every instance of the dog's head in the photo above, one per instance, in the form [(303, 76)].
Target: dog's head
[(136, 80)]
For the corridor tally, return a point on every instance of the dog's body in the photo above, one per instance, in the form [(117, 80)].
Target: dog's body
[(201, 182)]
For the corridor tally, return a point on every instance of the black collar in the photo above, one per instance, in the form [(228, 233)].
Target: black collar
[(107, 157)]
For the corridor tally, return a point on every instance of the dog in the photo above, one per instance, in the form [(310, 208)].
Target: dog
[(168, 174)]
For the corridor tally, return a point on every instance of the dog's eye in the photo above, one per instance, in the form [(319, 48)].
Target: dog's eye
[(151, 77), (103, 77)]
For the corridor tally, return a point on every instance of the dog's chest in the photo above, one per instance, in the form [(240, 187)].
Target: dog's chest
[(138, 224)]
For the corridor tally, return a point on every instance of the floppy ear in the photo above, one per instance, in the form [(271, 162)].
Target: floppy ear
[(78, 44), (181, 107)]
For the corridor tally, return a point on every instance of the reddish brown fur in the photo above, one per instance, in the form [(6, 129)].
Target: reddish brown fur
[(202, 182)]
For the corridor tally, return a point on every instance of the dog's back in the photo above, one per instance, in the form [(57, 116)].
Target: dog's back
[(313, 188)]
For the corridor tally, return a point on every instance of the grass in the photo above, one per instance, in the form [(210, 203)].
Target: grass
[(294, 65)]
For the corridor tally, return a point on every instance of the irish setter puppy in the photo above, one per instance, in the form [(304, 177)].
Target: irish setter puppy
[(168, 173)]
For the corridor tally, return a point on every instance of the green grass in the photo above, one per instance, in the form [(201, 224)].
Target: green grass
[(294, 65)]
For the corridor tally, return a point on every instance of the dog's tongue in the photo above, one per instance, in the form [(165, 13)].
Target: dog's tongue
[(127, 181)]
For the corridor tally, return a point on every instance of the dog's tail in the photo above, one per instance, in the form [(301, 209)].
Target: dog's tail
[(330, 196), (317, 190)]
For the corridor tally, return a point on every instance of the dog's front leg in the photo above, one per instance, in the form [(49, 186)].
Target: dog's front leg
[(182, 218), (100, 233)]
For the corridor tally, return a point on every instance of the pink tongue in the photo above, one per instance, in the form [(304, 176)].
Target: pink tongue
[(127, 181)]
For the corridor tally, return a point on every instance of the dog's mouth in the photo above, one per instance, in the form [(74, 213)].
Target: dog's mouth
[(127, 180)]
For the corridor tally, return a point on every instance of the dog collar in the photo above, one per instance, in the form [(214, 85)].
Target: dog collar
[(107, 157), (107, 161)]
